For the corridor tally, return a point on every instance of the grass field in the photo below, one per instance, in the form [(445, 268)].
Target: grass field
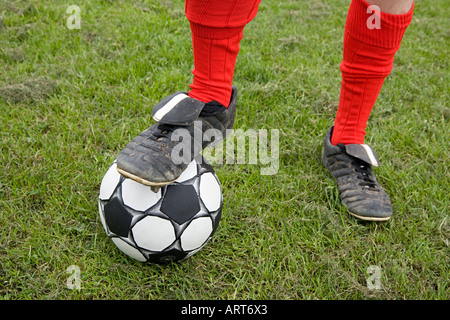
[(71, 99)]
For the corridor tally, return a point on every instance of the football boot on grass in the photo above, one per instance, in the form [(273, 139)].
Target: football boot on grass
[(185, 126), (359, 190)]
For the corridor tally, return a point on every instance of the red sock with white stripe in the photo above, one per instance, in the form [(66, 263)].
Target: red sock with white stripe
[(368, 58)]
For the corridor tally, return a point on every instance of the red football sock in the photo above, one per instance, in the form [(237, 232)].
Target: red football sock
[(214, 62), (217, 28), (369, 51)]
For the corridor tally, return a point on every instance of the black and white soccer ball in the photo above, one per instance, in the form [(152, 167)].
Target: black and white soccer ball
[(166, 226)]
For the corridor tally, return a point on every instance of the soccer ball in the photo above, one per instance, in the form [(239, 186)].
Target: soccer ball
[(167, 226)]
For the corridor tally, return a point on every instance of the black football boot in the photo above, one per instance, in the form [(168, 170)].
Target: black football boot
[(185, 126), (359, 190)]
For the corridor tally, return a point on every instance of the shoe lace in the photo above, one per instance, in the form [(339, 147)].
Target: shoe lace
[(365, 175)]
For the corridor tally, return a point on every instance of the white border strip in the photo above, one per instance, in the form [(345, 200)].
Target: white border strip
[(373, 160), (169, 106)]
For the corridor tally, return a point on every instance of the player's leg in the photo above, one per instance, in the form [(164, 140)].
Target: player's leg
[(371, 40), (369, 51), (217, 29)]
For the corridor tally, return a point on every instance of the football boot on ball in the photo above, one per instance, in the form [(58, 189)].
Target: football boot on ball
[(185, 126)]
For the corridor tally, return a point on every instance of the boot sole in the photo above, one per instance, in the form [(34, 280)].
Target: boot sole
[(368, 218), (143, 181)]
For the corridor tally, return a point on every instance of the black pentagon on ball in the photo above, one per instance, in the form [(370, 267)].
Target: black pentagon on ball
[(180, 203), (117, 218)]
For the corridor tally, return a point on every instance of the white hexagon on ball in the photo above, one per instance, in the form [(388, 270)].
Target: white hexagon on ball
[(153, 233), (109, 182), (210, 192), (128, 249), (102, 217), (196, 233), (138, 196), (189, 172)]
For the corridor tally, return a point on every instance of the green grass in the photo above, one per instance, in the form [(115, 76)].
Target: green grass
[(71, 99)]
